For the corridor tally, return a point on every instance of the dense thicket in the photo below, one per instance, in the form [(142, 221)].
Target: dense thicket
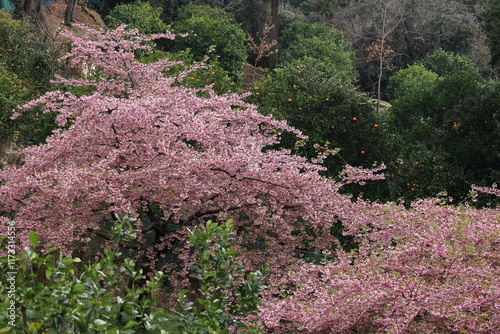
[(315, 91)]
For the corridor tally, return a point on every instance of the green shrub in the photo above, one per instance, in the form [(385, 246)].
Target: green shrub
[(314, 91), (211, 27), (302, 41), (21, 55), (11, 94), (210, 74), (445, 63), (225, 294), (444, 128), (138, 15), (24, 73), (51, 295)]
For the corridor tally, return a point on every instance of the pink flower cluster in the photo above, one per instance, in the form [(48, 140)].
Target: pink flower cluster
[(142, 144), (429, 269)]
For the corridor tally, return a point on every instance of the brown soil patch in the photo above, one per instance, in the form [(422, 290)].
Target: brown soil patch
[(252, 74), (83, 15)]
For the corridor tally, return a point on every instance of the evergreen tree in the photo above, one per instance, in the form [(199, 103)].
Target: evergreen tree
[(493, 31)]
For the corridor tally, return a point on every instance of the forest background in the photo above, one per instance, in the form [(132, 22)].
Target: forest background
[(408, 85)]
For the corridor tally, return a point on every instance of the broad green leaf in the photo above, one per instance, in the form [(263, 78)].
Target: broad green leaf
[(33, 238), (130, 324), (78, 288), (48, 273)]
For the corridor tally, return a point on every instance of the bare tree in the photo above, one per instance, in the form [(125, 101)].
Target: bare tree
[(420, 26), (380, 49), (274, 33), (264, 47)]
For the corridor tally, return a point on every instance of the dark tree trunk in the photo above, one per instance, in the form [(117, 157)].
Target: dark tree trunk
[(70, 11), (27, 6)]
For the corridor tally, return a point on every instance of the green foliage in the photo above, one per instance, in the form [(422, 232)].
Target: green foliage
[(492, 28), (444, 128), (22, 56), (24, 73), (407, 83), (11, 93), (33, 126), (211, 27), (314, 91), (330, 114), (52, 295), (210, 74), (333, 53), (446, 64), (322, 49), (138, 15), (226, 295)]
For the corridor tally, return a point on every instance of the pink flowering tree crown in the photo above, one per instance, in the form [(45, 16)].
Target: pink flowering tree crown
[(432, 268), (142, 144)]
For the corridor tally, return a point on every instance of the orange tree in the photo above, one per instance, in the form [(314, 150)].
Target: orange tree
[(443, 128), (314, 91)]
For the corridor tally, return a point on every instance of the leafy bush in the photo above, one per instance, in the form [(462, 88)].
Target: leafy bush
[(52, 295), (314, 91), (210, 74), (226, 295), (211, 27), (138, 15), (446, 64), (24, 73), (332, 115), (11, 94), (443, 123), (332, 54), (21, 55)]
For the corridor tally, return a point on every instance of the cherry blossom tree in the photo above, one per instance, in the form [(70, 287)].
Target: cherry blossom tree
[(432, 268), (173, 157), (142, 144)]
